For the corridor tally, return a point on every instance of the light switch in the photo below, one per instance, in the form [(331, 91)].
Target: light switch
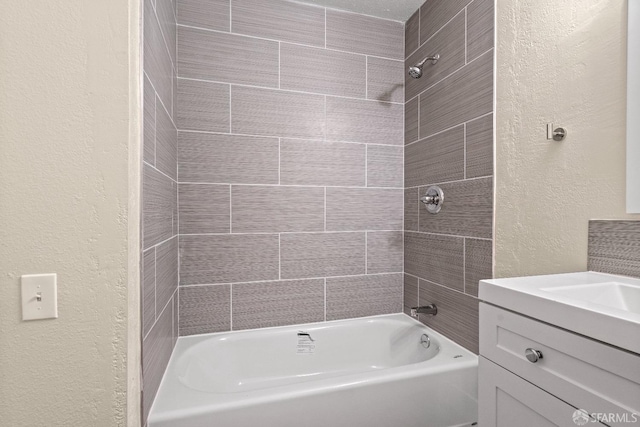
[(39, 296)]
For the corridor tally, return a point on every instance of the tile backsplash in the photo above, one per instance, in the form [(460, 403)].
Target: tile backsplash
[(614, 247), (290, 164)]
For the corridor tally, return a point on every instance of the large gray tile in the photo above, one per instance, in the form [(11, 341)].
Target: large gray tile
[(159, 196), (467, 210), (210, 14), (478, 264), (148, 290), (480, 147), (385, 79), (614, 247), (204, 208), (277, 113), (411, 121), (227, 159), (480, 17), (384, 252), (228, 58), (266, 304), (463, 96), (351, 209), (357, 33), (436, 258), (312, 69), (280, 20), (457, 317), (157, 61), (385, 166), (309, 255), (322, 163), (205, 309), (436, 159), (176, 317), (410, 293), (412, 33), (228, 258), (166, 144), (449, 43), (156, 352), (349, 297), (166, 271), (203, 106), (365, 121), (412, 207), (434, 14), (167, 19), (149, 123), (265, 209)]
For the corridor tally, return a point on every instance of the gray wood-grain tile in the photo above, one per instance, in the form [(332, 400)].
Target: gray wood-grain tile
[(478, 263), (210, 14), (166, 144), (157, 61), (480, 17), (148, 290), (412, 207), (614, 247), (268, 209), (166, 271), (328, 72), (205, 309), (410, 298), (384, 252), (310, 255), (224, 57), (235, 159), (463, 96), (449, 43), (159, 196), (149, 122), (436, 159), (279, 20), (167, 20), (357, 33), (277, 113), (480, 147), (385, 79), (434, 15), (322, 163), (412, 33), (204, 208), (457, 317), (385, 166), (435, 258), (352, 209), (365, 121), (349, 297), (203, 106), (228, 258), (279, 303), (467, 211), (411, 121)]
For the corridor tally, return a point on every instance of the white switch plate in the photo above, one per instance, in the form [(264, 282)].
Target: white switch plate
[(39, 296)]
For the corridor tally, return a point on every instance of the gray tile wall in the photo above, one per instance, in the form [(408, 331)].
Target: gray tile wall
[(449, 142), (614, 247), (160, 194), (290, 164)]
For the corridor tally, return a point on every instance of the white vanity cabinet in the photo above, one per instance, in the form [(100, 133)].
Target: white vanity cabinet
[(564, 372)]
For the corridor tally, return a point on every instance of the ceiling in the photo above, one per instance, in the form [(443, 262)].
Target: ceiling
[(398, 10)]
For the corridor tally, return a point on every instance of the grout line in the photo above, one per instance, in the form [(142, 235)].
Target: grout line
[(160, 243), (155, 129), (230, 16), (279, 257), (447, 129), (301, 186), (231, 306), (273, 233), (325, 299), (439, 284), (144, 162), (466, 23), (432, 35), (366, 252), (170, 302), (160, 99), (325, 209), (464, 146), (366, 166), (230, 211), (279, 63), (155, 286), (366, 77), (279, 160), (464, 265), (230, 114), (325, 32), (449, 182), (449, 235)]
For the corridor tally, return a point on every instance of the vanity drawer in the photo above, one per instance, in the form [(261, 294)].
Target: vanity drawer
[(585, 373)]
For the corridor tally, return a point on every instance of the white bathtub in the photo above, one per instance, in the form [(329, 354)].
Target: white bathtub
[(370, 372)]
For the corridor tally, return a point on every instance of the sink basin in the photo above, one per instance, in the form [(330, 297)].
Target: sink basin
[(601, 306), (621, 296)]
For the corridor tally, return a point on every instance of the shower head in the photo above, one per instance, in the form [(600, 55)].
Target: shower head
[(416, 70)]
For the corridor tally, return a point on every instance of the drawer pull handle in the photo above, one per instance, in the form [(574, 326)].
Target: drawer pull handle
[(532, 355)]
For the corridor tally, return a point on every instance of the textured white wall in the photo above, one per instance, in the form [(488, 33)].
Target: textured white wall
[(560, 61), (67, 121)]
